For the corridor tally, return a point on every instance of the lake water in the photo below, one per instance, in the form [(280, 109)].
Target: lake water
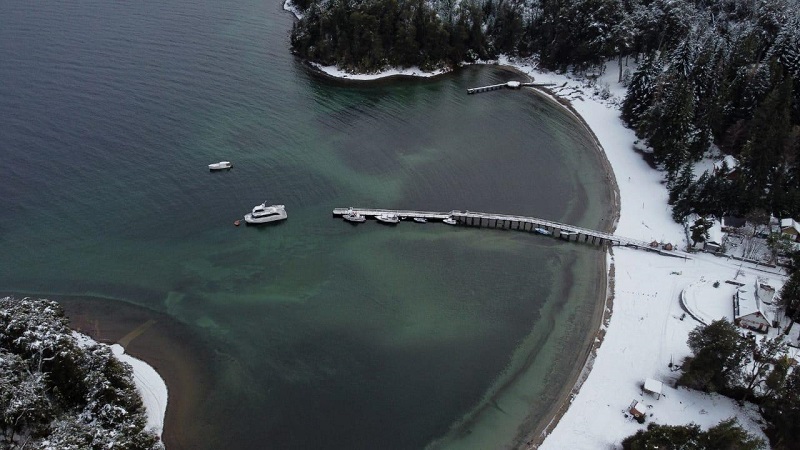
[(319, 334)]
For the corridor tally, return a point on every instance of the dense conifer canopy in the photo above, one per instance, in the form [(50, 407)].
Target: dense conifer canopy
[(56, 394)]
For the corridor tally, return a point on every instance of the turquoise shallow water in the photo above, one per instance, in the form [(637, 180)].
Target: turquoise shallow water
[(319, 334)]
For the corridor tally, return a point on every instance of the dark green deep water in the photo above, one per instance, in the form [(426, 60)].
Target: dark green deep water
[(319, 334)]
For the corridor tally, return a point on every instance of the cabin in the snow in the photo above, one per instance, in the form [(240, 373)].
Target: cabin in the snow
[(748, 311), (790, 227), (638, 410), (727, 167)]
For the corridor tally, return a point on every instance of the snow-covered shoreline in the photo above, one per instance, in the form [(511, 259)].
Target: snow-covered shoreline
[(150, 385), (646, 334)]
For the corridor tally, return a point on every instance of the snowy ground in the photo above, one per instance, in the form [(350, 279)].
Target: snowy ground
[(744, 245), (149, 383), (644, 336), (645, 333), (151, 387), (708, 303)]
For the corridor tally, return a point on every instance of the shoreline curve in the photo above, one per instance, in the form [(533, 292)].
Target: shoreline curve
[(534, 438)]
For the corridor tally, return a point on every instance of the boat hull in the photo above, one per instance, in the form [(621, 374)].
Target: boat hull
[(388, 220), (222, 165), (249, 219)]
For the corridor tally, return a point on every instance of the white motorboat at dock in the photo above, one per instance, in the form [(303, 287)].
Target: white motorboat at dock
[(390, 219), (352, 216)]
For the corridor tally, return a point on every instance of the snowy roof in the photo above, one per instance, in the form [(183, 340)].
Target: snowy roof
[(747, 303), (789, 223), (764, 290), (794, 334), (651, 385), (729, 161), (638, 407), (715, 233)]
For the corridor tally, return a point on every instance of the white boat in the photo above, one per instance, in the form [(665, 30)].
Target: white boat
[(420, 219), (264, 214), (391, 219), (352, 216), (222, 165), (543, 231), (450, 221)]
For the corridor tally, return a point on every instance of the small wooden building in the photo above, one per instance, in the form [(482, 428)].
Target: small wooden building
[(654, 387), (747, 310), (727, 167), (638, 410), (789, 227)]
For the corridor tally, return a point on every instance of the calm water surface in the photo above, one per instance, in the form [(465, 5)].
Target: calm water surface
[(320, 334)]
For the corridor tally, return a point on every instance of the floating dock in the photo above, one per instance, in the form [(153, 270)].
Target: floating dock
[(563, 231)]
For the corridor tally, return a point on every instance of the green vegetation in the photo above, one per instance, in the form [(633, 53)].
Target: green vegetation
[(727, 435), (56, 394), (746, 368)]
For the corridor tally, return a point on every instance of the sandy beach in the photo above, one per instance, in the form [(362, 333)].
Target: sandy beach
[(166, 345)]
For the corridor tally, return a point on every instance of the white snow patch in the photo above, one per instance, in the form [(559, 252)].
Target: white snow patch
[(289, 6), (149, 383), (151, 387)]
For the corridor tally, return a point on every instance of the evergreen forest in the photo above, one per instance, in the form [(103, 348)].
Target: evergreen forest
[(708, 74), (59, 394)]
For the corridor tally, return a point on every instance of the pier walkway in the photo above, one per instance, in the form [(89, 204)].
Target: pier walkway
[(508, 85), (510, 222)]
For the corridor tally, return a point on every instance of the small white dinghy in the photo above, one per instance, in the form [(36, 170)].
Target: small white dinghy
[(222, 165)]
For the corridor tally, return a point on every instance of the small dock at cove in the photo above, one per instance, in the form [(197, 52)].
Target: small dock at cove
[(508, 85), (510, 222)]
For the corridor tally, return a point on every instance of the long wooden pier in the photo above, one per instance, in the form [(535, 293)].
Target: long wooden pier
[(508, 222)]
